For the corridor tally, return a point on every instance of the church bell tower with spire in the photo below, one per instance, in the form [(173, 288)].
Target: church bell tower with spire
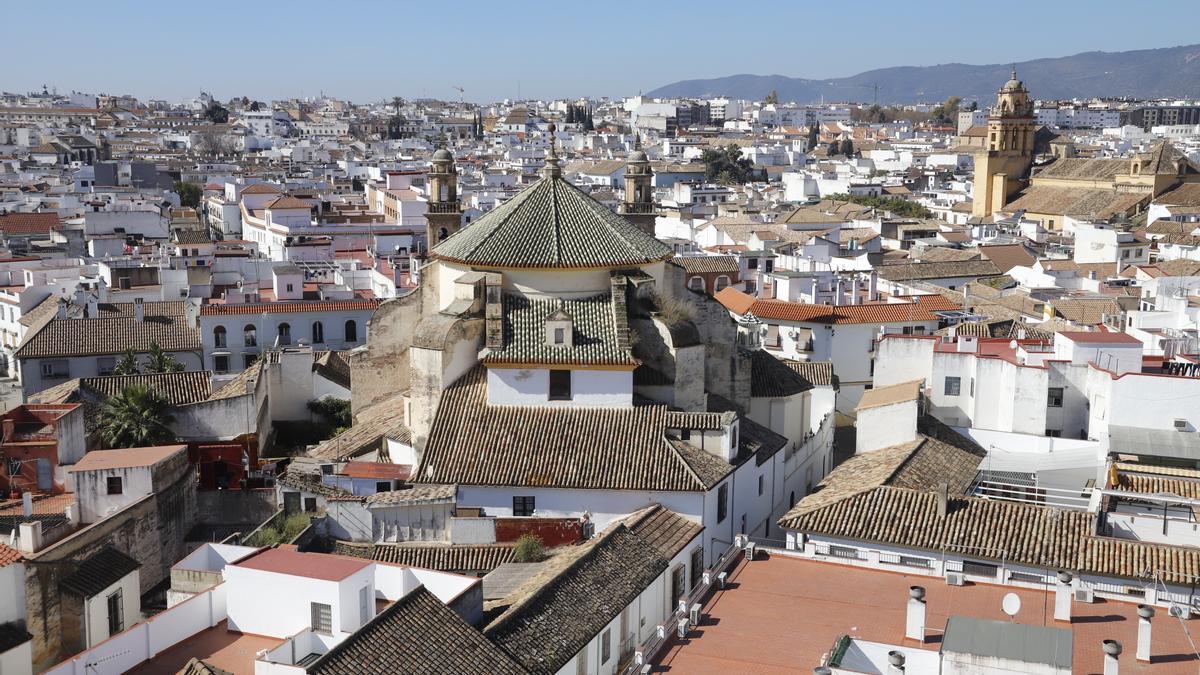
[(443, 213), (638, 205), (1002, 170)]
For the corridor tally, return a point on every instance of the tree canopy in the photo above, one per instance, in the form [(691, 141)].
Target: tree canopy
[(135, 418), (189, 193), (899, 207), (216, 113), (161, 362), (726, 165)]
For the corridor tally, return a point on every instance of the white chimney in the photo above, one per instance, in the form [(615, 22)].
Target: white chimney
[(1062, 597), (139, 310), (914, 624), (27, 504), (1145, 613), (895, 663), (1112, 649), (967, 344), (873, 286), (30, 535), (62, 309), (93, 307), (854, 289)]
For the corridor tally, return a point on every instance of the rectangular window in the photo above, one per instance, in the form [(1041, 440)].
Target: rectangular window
[(677, 586), (113, 483), (364, 604), (606, 646), (116, 612), (760, 486), (722, 502), (383, 486), (221, 363), (523, 506), (953, 386), (559, 336), (105, 365), (1054, 397), (972, 386), (979, 569), (1054, 433), (322, 618), (560, 385), (697, 566)]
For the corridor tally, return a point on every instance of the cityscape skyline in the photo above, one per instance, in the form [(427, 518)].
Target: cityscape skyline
[(431, 63)]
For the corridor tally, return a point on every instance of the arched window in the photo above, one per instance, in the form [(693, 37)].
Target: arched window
[(696, 284), (318, 332), (722, 282), (351, 331), (250, 335), (219, 337), (285, 334)]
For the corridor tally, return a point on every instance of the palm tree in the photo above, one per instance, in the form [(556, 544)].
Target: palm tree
[(135, 418), (396, 103), (128, 364), (161, 362)]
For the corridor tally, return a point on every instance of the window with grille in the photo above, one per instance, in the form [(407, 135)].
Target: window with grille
[(953, 386), (322, 618), (979, 569), (1054, 397), (523, 506), (697, 566), (116, 612)]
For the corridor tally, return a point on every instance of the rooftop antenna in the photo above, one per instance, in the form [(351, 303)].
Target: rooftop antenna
[(461, 91)]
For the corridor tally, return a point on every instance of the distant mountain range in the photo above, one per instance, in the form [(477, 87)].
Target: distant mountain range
[(1145, 73)]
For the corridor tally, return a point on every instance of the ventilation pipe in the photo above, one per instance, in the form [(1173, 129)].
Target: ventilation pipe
[(1112, 649), (1062, 597), (914, 624), (1145, 613)]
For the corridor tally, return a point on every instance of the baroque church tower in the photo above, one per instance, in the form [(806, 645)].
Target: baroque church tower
[(638, 205), (443, 214), (1001, 170)]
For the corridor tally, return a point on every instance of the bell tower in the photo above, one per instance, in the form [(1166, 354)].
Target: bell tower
[(638, 206), (443, 214), (1002, 170)]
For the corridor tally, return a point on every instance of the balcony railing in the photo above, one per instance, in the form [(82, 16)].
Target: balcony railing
[(636, 208), (442, 207)]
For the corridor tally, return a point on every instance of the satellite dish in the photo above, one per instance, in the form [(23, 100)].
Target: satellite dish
[(1011, 604)]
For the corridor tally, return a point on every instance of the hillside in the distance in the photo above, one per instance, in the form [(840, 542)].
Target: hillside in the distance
[(1145, 73)]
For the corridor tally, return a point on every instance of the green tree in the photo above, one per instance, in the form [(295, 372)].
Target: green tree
[(135, 418), (396, 103), (814, 137), (161, 362), (335, 410), (846, 148), (772, 98), (833, 148), (128, 364), (899, 207), (588, 124), (216, 113), (255, 106), (189, 193), (726, 165)]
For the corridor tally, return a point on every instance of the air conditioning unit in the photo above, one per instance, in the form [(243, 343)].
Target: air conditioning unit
[(1180, 611), (955, 579), (1181, 425), (1084, 595)]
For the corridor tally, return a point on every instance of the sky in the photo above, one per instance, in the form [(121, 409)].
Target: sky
[(364, 50)]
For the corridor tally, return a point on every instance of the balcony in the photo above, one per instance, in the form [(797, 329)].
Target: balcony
[(443, 207), (637, 208)]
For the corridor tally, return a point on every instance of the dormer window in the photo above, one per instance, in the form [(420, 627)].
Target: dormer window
[(559, 327)]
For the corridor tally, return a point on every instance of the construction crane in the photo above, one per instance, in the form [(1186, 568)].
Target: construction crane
[(461, 91), (874, 87)]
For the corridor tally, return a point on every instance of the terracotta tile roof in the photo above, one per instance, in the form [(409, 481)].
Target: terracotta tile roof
[(474, 443), (260, 189), (422, 494), (460, 558), (288, 560), (29, 223), (289, 202), (1008, 256), (817, 373), (416, 635), (599, 329), (552, 224), (573, 597), (663, 529), (781, 310), (176, 388), (938, 270), (771, 377), (708, 264), (290, 307), (99, 572), (114, 331), (1101, 203), (9, 555), (371, 426), (378, 470)]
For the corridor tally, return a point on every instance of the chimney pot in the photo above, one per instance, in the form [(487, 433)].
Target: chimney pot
[(1145, 613), (914, 620), (1063, 597), (1112, 649)]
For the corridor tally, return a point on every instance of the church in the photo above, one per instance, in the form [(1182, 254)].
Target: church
[(554, 363), (1020, 167)]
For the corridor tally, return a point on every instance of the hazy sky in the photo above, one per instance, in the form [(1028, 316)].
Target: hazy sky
[(366, 50)]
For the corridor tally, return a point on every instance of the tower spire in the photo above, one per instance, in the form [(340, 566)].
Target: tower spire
[(552, 169)]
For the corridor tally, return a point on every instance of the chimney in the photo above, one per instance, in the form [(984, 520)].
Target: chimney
[(914, 622), (873, 286), (854, 298), (839, 292), (942, 500), (30, 535), (93, 307), (1062, 597), (1112, 649), (895, 663), (27, 504), (1145, 613), (62, 308), (139, 310)]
